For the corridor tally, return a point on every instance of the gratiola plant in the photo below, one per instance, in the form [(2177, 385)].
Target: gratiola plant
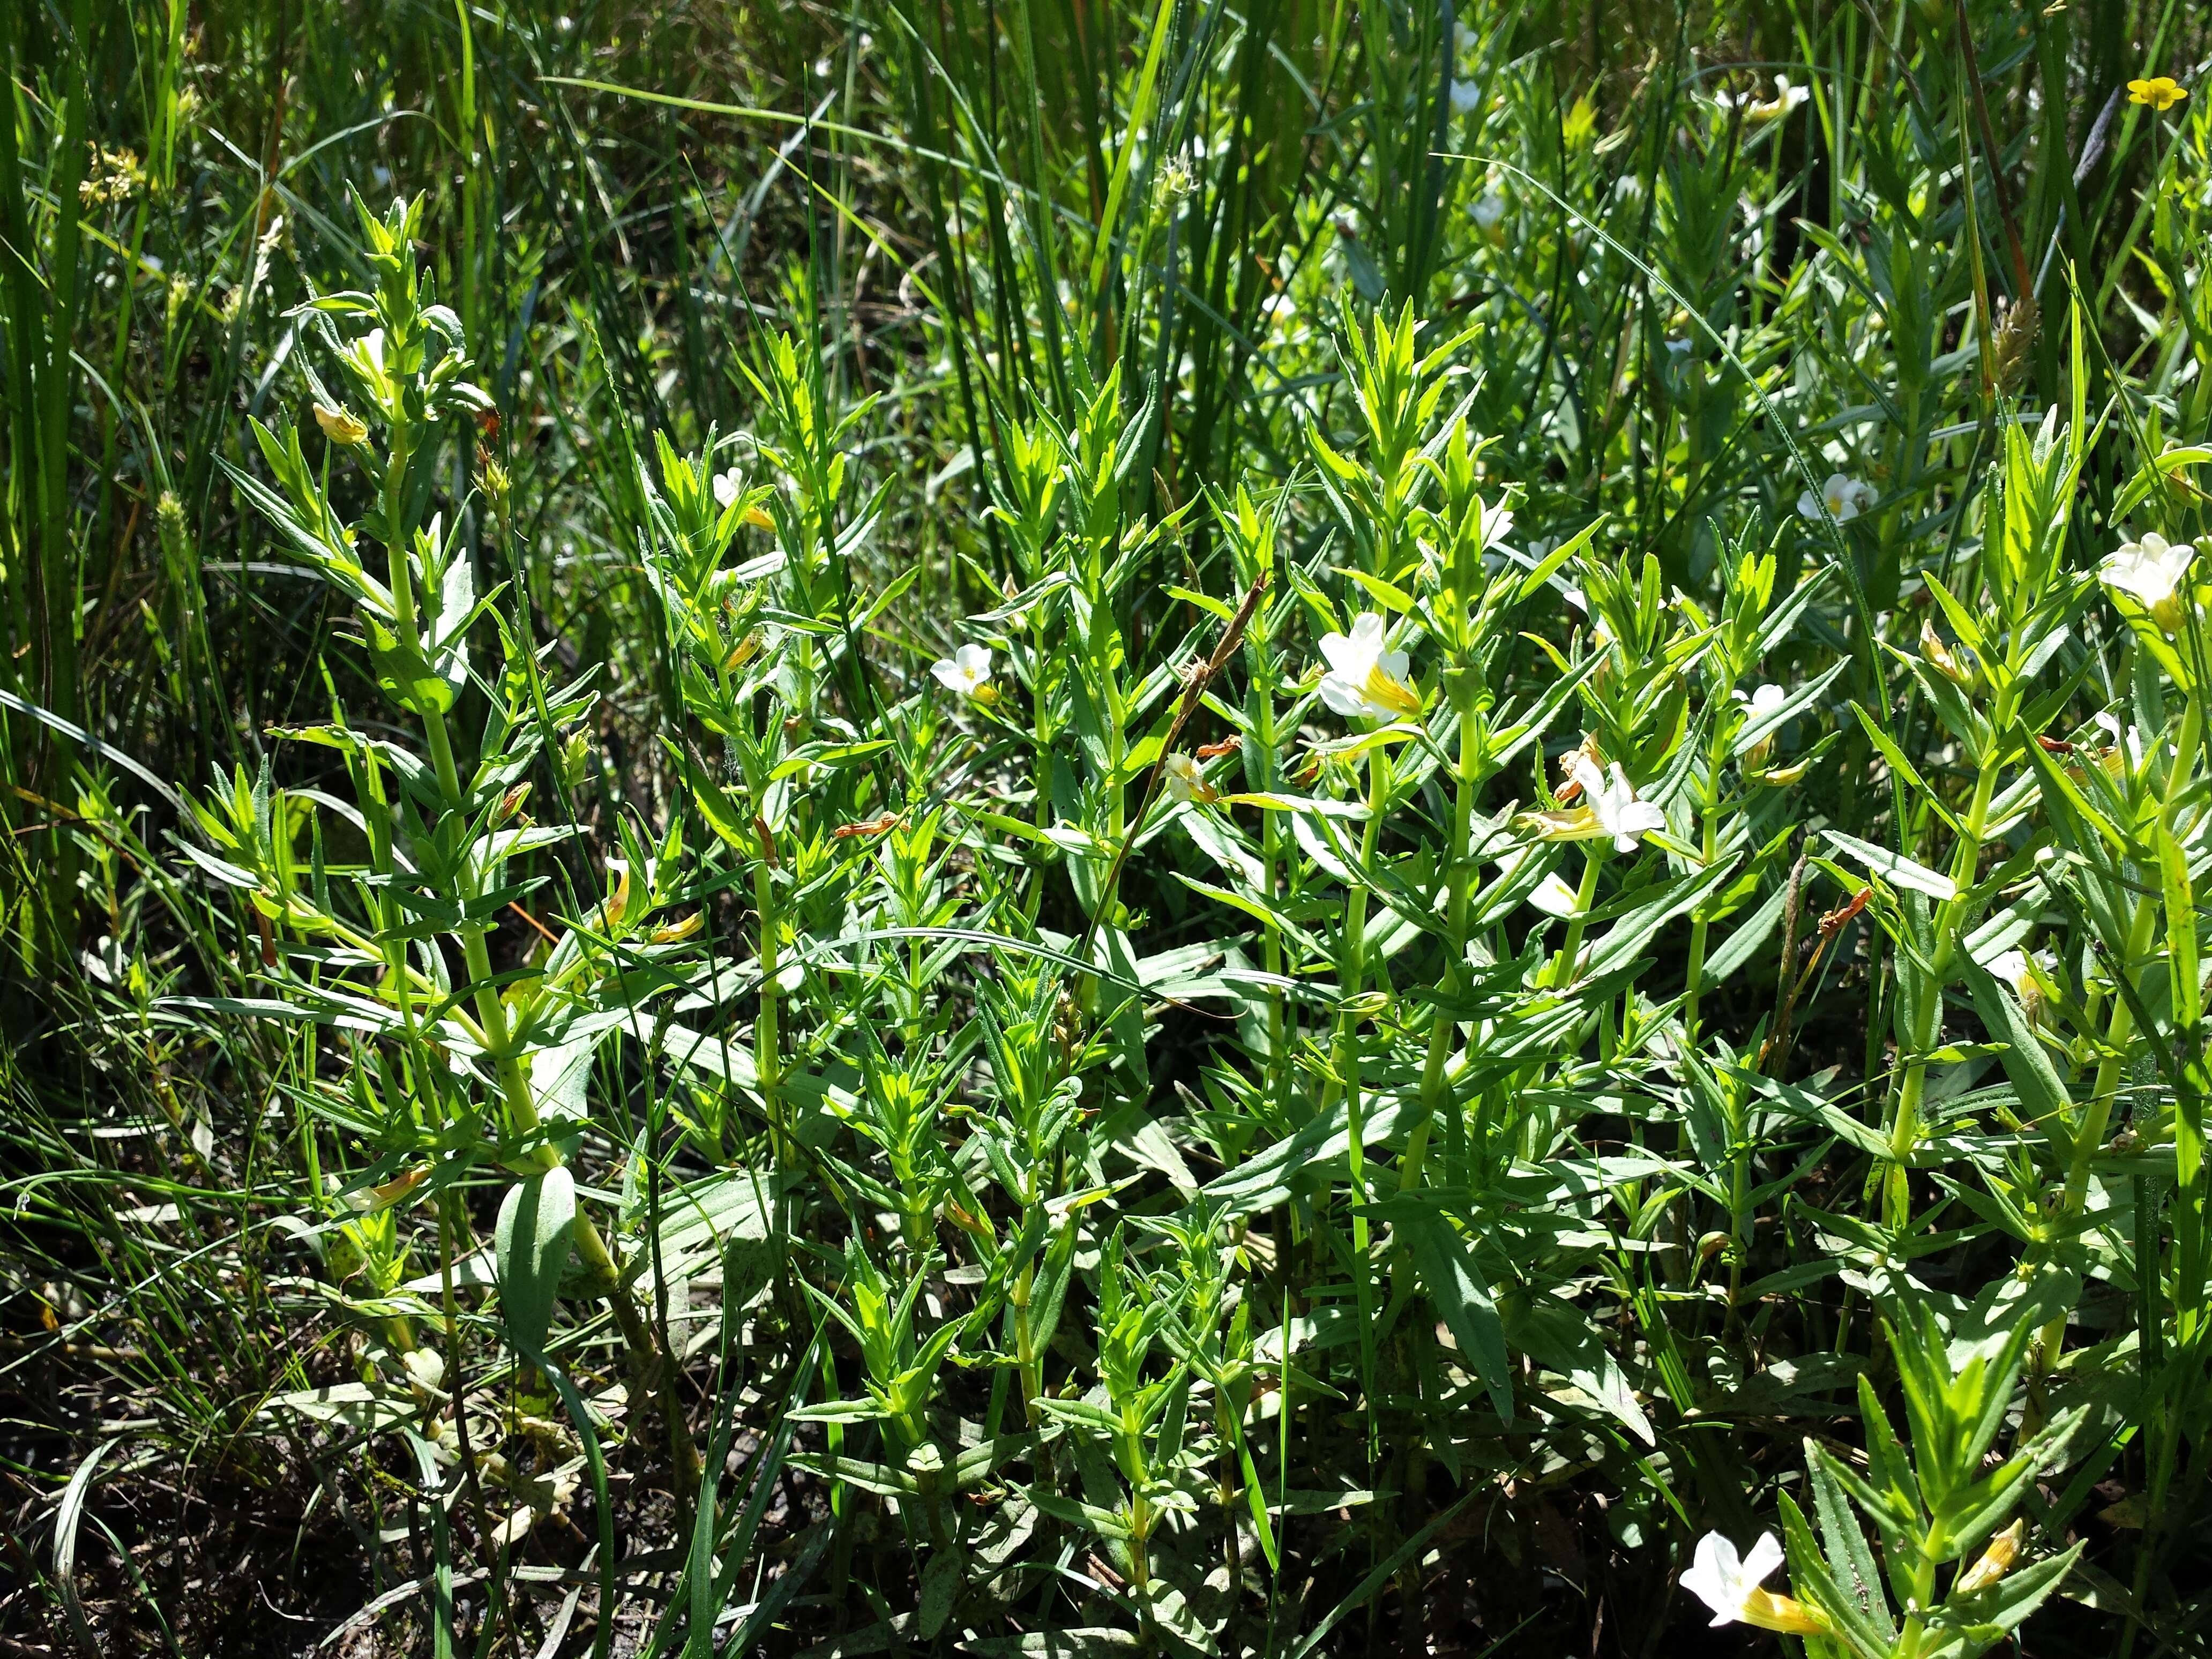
[(900, 1080), (462, 1070)]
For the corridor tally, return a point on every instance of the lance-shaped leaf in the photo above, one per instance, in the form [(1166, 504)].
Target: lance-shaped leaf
[(1446, 1266), (537, 1223)]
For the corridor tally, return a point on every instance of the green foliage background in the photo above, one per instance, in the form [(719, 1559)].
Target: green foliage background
[(566, 1091)]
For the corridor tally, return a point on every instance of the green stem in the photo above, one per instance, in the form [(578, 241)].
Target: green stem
[(768, 1044), (658, 1374), (1950, 917), (1435, 1094), (1343, 1066), (2089, 1133), (1563, 965), (1693, 982)]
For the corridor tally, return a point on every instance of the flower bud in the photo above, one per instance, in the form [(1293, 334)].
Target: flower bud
[(1996, 1561), (341, 426), (1957, 665), (574, 758)]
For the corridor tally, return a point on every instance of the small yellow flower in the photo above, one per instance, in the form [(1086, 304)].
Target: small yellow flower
[(2160, 92), (676, 932), (341, 426)]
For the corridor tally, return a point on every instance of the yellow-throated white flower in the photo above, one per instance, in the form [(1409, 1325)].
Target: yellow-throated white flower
[(1465, 95), (2125, 753), (1730, 1585), (617, 906), (1620, 814), (1786, 99), (728, 486), (1365, 679), (2151, 571), (1611, 812), (1766, 699), (1488, 209), (1186, 782), (1844, 497), (967, 670)]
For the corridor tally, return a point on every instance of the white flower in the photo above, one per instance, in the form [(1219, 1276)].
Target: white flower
[(1488, 209), (1364, 678), (1465, 95), (1553, 897), (2127, 748), (2149, 570), (726, 486), (1766, 699), (1463, 37), (1186, 782), (2025, 973), (1725, 1581), (1759, 704), (966, 672), (1730, 1585), (1620, 814), (1845, 497), (1786, 99)]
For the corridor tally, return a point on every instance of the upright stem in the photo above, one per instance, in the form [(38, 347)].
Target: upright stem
[(658, 1376), (1436, 1095), (767, 1045), (2089, 1132), (1344, 1065), (1564, 964), (1950, 916), (1694, 982)]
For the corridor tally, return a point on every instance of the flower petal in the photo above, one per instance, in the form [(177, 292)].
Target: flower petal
[(1712, 1577), (1765, 1556), (1343, 699), (1345, 657), (1583, 770), (1553, 897)]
